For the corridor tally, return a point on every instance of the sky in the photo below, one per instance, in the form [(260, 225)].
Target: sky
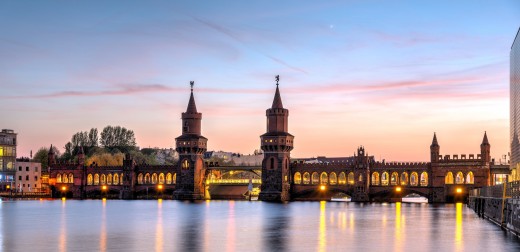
[(384, 75)]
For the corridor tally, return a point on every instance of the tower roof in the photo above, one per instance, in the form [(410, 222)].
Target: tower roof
[(485, 139), (277, 101), (434, 141), (192, 108), (51, 150)]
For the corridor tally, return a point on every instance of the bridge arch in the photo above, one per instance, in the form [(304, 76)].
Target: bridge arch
[(333, 179), (89, 179), (375, 178), (384, 179), (324, 178), (168, 178), (342, 180), (306, 178), (404, 178), (297, 178), (350, 178), (109, 179), (315, 179), (394, 179), (103, 179), (96, 179), (459, 178), (414, 179), (58, 178), (116, 179), (424, 178), (470, 178)]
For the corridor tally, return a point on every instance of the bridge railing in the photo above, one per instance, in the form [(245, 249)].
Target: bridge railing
[(232, 181), (512, 190)]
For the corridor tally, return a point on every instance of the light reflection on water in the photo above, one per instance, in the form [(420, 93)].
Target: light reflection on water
[(90, 225)]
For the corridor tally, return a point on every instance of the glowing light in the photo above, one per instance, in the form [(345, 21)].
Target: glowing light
[(63, 198), (398, 189), (459, 190), (160, 187), (104, 188), (63, 188), (322, 187), (458, 226), (8, 186), (322, 238)]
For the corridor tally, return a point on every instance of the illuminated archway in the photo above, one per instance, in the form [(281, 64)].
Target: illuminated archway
[(470, 178), (147, 178), (103, 179), (306, 178), (333, 179), (350, 178), (161, 178), (375, 178), (404, 178), (297, 178), (459, 179), (140, 179), (185, 164), (58, 178), (394, 179), (64, 178), (424, 179), (449, 178), (116, 179), (168, 178), (90, 180), (121, 179), (71, 178), (175, 178), (315, 179), (109, 179), (342, 179), (324, 178), (414, 179), (154, 178), (384, 179), (96, 179)]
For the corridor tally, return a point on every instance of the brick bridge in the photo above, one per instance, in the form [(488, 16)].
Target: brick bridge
[(280, 178)]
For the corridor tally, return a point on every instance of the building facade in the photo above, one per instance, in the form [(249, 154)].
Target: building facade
[(514, 109), (28, 176), (7, 158)]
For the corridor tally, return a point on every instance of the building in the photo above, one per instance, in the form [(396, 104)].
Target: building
[(7, 158), (28, 176), (514, 103)]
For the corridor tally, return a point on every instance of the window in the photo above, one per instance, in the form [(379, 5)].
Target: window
[(96, 179), (20, 178), (109, 179), (147, 178), (36, 169), (103, 179), (168, 178), (27, 168), (116, 179), (297, 178), (19, 168), (154, 178), (185, 164), (35, 178), (161, 178), (375, 178), (71, 178), (58, 178)]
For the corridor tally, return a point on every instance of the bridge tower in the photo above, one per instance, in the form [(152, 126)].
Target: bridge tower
[(191, 146), (485, 150), (361, 176), (434, 149), (277, 144)]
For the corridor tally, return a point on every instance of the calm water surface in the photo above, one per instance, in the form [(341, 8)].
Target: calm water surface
[(245, 226)]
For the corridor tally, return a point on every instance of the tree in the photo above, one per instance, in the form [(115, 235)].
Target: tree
[(120, 137), (93, 138), (106, 159), (42, 156)]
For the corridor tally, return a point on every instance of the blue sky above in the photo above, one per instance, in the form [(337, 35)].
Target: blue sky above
[(376, 73)]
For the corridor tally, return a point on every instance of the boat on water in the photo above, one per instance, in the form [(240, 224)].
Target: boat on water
[(342, 199), (414, 198)]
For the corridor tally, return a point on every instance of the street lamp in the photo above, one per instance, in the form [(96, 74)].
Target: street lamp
[(398, 189), (323, 187), (459, 190), (63, 192)]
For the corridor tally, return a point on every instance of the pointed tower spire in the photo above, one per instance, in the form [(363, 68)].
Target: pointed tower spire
[(434, 141), (192, 108), (485, 140), (277, 102)]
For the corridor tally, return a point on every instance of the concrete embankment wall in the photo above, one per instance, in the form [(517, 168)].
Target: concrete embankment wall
[(503, 211)]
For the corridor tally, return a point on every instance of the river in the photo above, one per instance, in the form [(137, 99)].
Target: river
[(163, 225)]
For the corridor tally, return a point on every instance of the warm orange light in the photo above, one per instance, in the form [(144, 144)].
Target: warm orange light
[(104, 188), (459, 190), (398, 189), (8, 186), (63, 198), (63, 188), (160, 187), (322, 187)]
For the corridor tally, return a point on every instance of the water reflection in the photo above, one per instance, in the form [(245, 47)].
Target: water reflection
[(159, 228), (458, 227), (322, 238), (245, 226), (276, 223)]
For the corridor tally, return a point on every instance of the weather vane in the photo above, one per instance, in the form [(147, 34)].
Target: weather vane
[(277, 79), (191, 84)]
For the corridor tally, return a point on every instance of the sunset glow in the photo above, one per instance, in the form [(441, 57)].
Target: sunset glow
[(385, 75)]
